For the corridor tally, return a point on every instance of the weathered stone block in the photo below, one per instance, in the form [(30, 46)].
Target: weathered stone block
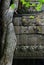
[(29, 29), (32, 39), (30, 36), (17, 21)]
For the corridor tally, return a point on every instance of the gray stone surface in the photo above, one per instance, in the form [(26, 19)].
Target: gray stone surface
[(30, 35)]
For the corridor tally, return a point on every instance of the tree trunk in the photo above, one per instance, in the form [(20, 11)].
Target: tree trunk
[(5, 5), (9, 38), (10, 46)]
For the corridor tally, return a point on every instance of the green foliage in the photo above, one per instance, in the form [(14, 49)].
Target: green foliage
[(33, 4), (41, 1), (26, 3), (32, 17), (39, 6), (12, 6)]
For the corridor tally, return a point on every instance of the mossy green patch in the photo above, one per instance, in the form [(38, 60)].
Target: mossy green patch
[(12, 6), (26, 3), (32, 17)]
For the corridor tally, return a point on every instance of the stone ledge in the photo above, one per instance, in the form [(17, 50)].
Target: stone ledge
[(29, 29), (29, 51), (27, 21), (30, 39)]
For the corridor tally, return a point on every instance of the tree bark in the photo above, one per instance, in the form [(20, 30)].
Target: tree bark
[(9, 40), (5, 5), (10, 46)]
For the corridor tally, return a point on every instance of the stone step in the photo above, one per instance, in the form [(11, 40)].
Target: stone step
[(32, 39), (29, 19), (29, 52), (29, 29)]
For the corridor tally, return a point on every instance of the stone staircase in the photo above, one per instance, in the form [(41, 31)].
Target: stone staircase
[(29, 30)]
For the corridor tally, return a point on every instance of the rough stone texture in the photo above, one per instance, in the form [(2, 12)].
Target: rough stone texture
[(29, 29), (9, 38), (30, 36), (27, 21)]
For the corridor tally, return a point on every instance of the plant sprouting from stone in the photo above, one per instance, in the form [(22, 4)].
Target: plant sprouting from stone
[(37, 7)]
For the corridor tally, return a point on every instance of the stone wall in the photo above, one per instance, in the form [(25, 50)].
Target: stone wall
[(30, 35)]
